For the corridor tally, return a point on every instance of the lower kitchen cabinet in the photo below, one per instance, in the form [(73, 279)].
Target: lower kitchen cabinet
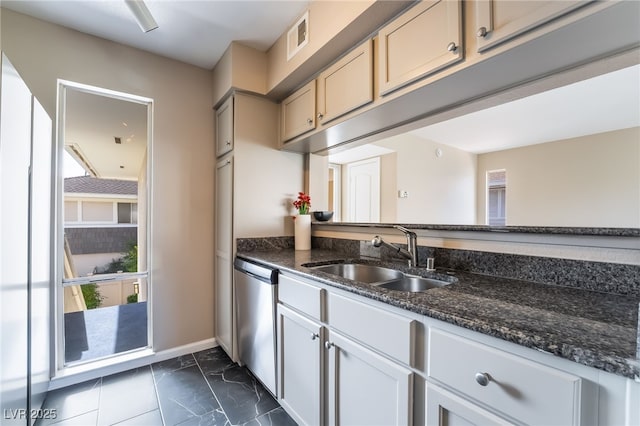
[(300, 365), (447, 409), (365, 388), (326, 377), (337, 367)]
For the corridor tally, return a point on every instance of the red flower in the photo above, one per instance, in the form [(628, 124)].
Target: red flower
[(303, 203)]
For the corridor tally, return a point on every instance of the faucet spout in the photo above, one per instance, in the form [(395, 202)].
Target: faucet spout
[(411, 254)]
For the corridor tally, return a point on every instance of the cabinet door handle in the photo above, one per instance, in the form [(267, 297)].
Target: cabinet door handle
[(483, 379), (482, 32), (314, 336), (452, 47), (228, 143), (320, 116), (309, 121), (328, 344)]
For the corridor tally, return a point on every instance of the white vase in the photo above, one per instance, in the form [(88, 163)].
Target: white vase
[(302, 231)]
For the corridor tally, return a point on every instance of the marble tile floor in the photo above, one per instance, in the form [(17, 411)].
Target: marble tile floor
[(201, 389)]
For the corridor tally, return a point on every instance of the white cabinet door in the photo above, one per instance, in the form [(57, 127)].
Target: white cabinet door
[(224, 256), (299, 112), (446, 409), (224, 127), (422, 41), (300, 366), (498, 21), (365, 388), (346, 85)]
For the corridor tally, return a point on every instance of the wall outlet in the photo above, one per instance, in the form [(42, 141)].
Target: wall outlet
[(403, 194)]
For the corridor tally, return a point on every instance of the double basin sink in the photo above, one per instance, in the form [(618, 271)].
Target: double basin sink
[(391, 279)]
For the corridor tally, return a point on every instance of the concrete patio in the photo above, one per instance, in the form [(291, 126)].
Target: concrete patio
[(102, 332)]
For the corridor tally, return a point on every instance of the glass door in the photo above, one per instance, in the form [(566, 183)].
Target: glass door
[(103, 243)]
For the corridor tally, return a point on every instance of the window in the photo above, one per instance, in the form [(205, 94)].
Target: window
[(127, 213), (496, 197)]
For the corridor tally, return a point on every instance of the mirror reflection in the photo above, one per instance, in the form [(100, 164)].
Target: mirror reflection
[(565, 157)]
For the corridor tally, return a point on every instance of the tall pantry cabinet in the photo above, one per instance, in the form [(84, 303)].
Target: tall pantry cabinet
[(256, 185)]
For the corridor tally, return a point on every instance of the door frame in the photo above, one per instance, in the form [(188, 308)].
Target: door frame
[(58, 349)]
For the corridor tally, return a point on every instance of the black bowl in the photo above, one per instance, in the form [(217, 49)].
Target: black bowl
[(323, 216)]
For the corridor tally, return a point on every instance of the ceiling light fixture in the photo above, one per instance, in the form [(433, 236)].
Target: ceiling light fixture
[(142, 15)]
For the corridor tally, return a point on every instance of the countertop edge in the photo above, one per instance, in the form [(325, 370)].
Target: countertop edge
[(628, 368)]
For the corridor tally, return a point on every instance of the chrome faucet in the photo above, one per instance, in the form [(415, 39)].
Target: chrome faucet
[(412, 245)]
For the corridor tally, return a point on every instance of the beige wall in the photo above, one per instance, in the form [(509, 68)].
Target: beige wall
[(182, 156), (240, 67), (441, 190), (318, 177), (326, 20), (591, 181), (266, 180), (389, 188)]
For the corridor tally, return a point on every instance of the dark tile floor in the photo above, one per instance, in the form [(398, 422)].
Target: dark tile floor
[(204, 388)]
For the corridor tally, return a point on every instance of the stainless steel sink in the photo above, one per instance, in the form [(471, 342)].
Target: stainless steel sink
[(363, 273), (413, 284), (390, 279)]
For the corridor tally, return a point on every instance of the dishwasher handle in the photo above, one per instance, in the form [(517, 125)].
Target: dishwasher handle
[(259, 272)]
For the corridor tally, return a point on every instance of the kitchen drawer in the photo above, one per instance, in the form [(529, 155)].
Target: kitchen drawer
[(524, 390), (391, 334), (302, 296)]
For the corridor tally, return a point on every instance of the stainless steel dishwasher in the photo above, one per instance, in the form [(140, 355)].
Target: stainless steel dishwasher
[(256, 290)]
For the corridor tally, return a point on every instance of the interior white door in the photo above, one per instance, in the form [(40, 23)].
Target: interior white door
[(363, 191)]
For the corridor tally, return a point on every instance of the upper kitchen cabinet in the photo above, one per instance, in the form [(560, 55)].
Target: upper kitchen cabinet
[(346, 85), (224, 127), (299, 112), (424, 40), (498, 21)]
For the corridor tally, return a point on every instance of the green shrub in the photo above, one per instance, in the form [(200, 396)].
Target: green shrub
[(126, 263), (132, 298), (92, 296)]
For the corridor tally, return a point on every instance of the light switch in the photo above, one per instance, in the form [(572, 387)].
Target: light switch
[(403, 194)]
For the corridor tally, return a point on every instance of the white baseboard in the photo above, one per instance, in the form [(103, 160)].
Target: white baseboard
[(81, 373)]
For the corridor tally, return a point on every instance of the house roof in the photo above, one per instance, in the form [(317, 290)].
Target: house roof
[(101, 240), (93, 185)]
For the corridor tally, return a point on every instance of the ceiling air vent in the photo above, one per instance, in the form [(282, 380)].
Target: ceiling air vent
[(118, 140), (298, 36)]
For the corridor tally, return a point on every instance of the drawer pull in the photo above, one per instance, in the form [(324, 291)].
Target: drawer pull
[(314, 336), (483, 379), (328, 345)]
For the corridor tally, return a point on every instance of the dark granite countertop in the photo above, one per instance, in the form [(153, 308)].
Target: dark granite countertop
[(553, 230), (599, 330)]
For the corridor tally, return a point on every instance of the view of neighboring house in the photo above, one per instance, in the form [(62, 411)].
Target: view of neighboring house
[(100, 225)]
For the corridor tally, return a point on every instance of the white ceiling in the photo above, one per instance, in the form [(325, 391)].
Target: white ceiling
[(195, 32), (92, 123), (600, 104)]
